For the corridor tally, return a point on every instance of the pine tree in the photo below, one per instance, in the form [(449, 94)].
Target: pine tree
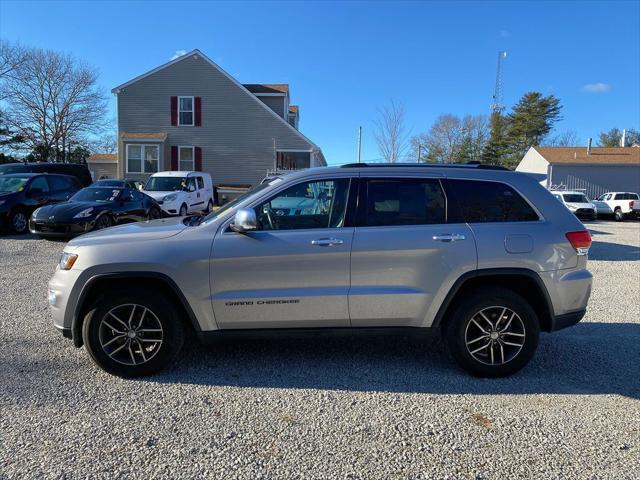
[(495, 150), (529, 122)]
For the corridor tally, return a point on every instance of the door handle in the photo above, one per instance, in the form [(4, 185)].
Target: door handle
[(327, 242), (449, 237)]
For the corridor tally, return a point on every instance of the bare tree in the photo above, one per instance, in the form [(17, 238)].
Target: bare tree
[(104, 143), (53, 100), (11, 57), (452, 140), (568, 138), (390, 133)]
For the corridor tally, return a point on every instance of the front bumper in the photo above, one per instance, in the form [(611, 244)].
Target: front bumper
[(169, 208), (567, 320), (61, 229), (588, 213)]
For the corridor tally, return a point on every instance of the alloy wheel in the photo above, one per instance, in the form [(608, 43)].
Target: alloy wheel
[(19, 222), (130, 334), (495, 335)]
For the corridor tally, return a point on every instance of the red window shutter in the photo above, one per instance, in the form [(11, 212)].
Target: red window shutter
[(198, 111), (198, 162), (174, 158), (174, 111)]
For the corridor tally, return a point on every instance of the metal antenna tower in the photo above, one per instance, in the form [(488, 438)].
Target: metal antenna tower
[(497, 105)]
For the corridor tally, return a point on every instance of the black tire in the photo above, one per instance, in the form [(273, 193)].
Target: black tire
[(183, 210), (209, 207), (460, 323), (158, 309), (154, 213), (618, 215), (19, 221), (103, 221)]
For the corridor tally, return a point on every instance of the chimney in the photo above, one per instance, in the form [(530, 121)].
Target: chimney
[(623, 140), (589, 147)]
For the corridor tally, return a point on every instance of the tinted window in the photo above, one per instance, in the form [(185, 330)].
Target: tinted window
[(633, 196), (137, 196), (96, 194), (316, 204), (59, 183), (40, 183), (479, 201), (575, 198), (404, 202)]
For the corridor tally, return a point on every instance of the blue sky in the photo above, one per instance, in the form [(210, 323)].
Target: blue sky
[(345, 59)]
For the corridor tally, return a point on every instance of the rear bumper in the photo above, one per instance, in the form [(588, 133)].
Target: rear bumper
[(567, 320)]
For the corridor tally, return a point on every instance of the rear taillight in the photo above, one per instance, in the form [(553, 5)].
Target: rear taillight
[(581, 241), (631, 205)]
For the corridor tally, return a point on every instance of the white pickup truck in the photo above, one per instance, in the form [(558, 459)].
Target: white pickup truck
[(619, 204)]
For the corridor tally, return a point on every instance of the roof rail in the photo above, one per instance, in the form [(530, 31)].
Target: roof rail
[(479, 166)]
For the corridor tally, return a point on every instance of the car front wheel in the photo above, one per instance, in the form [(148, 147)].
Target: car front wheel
[(132, 332), (493, 333), (19, 222)]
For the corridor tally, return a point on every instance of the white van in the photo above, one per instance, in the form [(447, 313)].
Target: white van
[(181, 193)]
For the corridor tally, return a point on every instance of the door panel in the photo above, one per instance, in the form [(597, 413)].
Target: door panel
[(274, 279), (294, 270), (404, 253), (397, 272)]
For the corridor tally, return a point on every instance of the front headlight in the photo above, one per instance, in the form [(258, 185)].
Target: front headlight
[(35, 212), (67, 260), (84, 213), (170, 198)]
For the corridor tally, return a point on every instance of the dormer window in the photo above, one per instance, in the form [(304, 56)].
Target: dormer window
[(185, 111)]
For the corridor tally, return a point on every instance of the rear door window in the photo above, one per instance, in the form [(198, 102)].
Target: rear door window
[(403, 201), (477, 201)]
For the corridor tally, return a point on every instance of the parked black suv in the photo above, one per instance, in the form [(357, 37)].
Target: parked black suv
[(81, 172), (22, 193)]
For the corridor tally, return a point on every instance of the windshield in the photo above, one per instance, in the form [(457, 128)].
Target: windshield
[(165, 184), (575, 198), (108, 183), (228, 206), (12, 184), (100, 195)]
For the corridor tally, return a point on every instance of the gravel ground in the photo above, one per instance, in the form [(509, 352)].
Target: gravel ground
[(326, 408)]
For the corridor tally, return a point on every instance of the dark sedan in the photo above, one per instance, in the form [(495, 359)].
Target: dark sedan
[(93, 208)]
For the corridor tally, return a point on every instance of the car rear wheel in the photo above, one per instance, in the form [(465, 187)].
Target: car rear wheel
[(154, 213), (132, 333), (19, 221), (493, 333), (103, 221), (618, 215)]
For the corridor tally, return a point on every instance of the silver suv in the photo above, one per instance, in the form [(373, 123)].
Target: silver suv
[(485, 255)]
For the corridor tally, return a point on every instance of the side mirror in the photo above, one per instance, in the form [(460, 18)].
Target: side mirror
[(244, 221)]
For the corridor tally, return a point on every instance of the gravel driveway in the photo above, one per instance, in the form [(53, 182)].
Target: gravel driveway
[(325, 408)]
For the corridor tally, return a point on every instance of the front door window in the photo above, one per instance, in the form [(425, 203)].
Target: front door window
[(311, 204)]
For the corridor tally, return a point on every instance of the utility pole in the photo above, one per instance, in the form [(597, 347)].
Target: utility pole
[(359, 142), (419, 151)]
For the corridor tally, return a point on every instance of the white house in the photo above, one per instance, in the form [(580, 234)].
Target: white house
[(592, 170)]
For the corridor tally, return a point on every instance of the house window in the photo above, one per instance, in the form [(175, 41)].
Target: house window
[(185, 111), (186, 158), (142, 158)]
